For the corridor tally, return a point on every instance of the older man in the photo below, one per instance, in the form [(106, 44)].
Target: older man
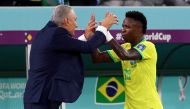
[(56, 69)]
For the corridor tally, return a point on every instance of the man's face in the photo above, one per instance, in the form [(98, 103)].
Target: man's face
[(71, 22), (131, 29)]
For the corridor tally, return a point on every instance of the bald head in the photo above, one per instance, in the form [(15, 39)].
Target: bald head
[(60, 12)]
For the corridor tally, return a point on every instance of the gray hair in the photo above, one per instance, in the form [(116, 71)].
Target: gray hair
[(60, 12)]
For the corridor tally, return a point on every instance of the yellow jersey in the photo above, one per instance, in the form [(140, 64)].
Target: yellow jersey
[(140, 77)]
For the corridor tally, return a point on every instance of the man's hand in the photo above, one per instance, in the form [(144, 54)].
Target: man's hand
[(90, 29), (109, 20), (106, 24)]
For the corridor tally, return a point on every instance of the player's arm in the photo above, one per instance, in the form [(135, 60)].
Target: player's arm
[(123, 54), (99, 57)]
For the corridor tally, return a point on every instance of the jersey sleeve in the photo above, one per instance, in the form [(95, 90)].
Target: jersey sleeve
[(113, 55), (145, 49)]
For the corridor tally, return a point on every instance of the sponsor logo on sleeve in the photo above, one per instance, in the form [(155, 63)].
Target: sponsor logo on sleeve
[(141, 47)]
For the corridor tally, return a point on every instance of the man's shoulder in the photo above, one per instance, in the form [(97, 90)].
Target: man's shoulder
[(51, 26), (52, 31), (60, 30)]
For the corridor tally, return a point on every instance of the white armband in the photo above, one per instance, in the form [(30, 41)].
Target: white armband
[(102, 29), (109, 37), (105, 32)]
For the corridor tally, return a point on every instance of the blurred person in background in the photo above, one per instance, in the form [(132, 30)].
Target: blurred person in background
[(144, 3), (48, 2), (51, 2), (70, 2), (20, 2)]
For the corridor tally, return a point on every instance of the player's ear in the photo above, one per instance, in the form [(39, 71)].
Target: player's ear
[(141, 30)]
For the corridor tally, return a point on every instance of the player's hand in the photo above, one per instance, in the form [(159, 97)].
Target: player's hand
[(90, 29), (109, 20)]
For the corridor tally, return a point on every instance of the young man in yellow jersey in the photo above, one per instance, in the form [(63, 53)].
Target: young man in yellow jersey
[(138, 58)]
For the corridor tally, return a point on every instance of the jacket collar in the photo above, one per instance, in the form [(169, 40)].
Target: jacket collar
[(51, 24)]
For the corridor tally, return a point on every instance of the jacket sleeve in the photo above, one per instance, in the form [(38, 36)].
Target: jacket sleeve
[(63, 41)]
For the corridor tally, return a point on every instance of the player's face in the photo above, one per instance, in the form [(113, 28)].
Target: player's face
[(130, 29)]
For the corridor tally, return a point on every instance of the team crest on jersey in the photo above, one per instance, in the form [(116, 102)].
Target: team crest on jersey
[(133, 63), (141, 47)]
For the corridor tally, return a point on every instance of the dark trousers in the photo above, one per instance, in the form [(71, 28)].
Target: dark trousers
[(48, 105)]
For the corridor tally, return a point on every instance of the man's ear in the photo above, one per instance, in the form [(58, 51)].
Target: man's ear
[(65, 20)]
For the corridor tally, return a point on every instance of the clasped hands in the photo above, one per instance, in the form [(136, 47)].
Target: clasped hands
[(109, 20)]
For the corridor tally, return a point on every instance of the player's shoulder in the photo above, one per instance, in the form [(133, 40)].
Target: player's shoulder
[(126, 45), (147, 43)]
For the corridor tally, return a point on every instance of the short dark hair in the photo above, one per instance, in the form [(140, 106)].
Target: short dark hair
[(136, 15)]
